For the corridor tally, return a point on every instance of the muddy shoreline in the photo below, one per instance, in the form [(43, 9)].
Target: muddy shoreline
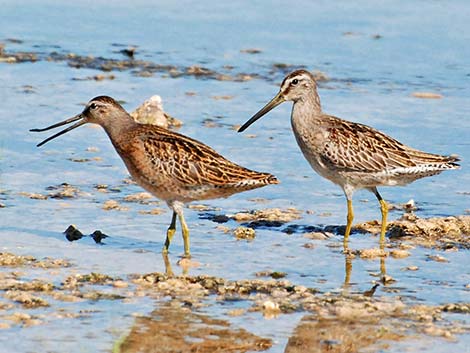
[(343, 322)]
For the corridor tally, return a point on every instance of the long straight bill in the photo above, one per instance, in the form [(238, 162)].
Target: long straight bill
[(68, 121), (270, 106)]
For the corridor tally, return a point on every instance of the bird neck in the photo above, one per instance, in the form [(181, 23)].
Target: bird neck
[(118, 125), (306, 108)]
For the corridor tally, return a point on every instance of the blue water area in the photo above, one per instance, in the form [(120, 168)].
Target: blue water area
[(376, 55)]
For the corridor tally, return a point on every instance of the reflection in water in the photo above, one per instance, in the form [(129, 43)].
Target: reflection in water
[(348, 271), (184, 263), (168, 268), (317, 333), (174, 328)]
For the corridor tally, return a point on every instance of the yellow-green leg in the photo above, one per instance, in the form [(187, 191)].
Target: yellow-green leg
[(384, 211), (349, 219), (185, 232), (383, 270), (383, 229), (169, 233)]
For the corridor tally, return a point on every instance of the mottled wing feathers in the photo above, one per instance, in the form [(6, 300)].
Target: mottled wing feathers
[(190, 162), (358, 147)]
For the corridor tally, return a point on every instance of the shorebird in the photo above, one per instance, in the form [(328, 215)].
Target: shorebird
[(171, 166), (351, 155)]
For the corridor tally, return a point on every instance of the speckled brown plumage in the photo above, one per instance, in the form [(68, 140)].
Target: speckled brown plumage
[(352, 155), (175, 167), (171, 166)]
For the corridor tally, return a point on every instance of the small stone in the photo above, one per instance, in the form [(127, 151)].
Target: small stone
[(399, 254), (270, 309), (226, 97), (410, 206), (72, 233), (34, 196), (120, 284), (318, 235), (236, 312), (138, 197), (412, 268), (251, 51), (427, 95), (222, 228), (437, 258), (244, 233), (153, 211), (372, 253), (202, 207), (98, 236), (113, 205)]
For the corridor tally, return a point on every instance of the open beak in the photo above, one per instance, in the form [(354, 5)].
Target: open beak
[(271, 105), (70, 128)]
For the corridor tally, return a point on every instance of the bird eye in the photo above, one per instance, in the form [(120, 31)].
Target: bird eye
[(294, 82), (93, 106)]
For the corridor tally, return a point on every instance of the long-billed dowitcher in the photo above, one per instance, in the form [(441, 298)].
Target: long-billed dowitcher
[(171, 166), (351, 155)]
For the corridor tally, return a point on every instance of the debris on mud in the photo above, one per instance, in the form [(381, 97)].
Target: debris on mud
[(91, 278), (147, 68), (151, 112), (63, 191), (12, 260), (33, 196), (439, 232), (272, 274), (27, 300), (268, 216)]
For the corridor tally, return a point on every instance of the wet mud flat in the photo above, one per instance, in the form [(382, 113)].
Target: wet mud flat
[(36, 292), (130, 61)]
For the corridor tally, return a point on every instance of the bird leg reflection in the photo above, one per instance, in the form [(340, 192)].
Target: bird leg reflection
[(347, 269), (168, 268)]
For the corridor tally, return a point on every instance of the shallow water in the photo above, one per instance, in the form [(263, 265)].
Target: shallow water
[(371, 81)]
